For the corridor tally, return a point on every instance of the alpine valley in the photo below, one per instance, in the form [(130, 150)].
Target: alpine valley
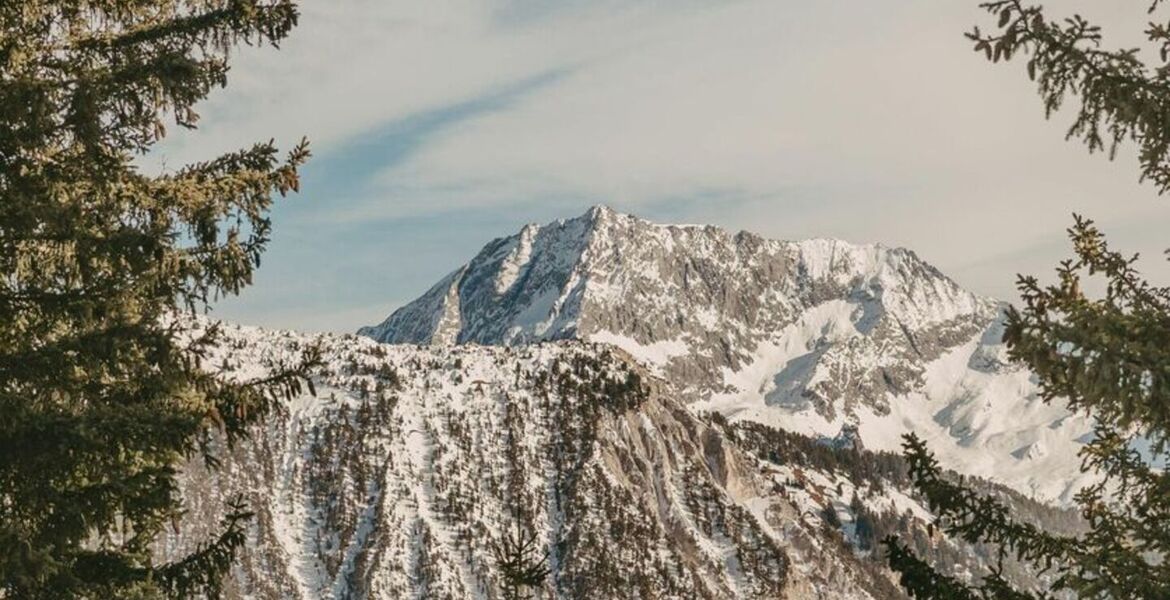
[(668, 411)]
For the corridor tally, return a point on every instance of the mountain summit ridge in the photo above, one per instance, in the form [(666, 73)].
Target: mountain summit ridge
[(812, 336), (588, 252)]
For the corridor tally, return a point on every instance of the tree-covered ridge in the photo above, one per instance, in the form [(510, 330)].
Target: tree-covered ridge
[(398, 476), (863, 520), (104, 395)]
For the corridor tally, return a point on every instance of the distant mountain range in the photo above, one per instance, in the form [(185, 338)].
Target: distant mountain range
[(809, 336)]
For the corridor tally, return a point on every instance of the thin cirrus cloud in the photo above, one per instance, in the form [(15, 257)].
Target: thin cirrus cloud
[(438, 126)]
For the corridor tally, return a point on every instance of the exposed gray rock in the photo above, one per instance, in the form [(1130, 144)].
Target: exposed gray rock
[(809, 336), (698, 302)]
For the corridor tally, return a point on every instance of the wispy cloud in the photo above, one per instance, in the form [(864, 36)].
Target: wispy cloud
[(437, 126), (361, 168)]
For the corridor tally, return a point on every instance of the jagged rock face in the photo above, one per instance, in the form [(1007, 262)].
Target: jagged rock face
[(811, 336), (394, 480), (701, 301)]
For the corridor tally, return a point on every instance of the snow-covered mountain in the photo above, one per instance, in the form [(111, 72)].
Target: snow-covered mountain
[(396, 477), (813, 336)]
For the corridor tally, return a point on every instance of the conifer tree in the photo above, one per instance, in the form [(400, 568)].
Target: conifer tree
[(1104, 354), (521, 563), (103, 394)]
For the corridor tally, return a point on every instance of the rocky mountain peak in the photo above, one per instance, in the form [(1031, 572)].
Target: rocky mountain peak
[(809, 335), (551, 281)]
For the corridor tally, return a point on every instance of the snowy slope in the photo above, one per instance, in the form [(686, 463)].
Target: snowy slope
[(810, 336), (394, 479)]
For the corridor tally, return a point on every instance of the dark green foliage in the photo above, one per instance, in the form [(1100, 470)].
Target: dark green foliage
[(864, 522), (521, 563), (829, 516), (1121, 96), (920, 580), (872, 471), (103, 388), (1105, 355), (862, 467)]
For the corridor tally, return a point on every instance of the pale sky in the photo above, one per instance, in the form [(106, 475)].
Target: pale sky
[(437, 126)]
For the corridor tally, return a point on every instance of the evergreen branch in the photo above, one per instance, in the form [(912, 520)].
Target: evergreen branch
[(1120, 98), (271, 21), (976, 518), (919, 579), (201, 572), (1108, 355)]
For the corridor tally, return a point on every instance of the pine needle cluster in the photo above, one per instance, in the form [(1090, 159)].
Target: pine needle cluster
[(105, 389)]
